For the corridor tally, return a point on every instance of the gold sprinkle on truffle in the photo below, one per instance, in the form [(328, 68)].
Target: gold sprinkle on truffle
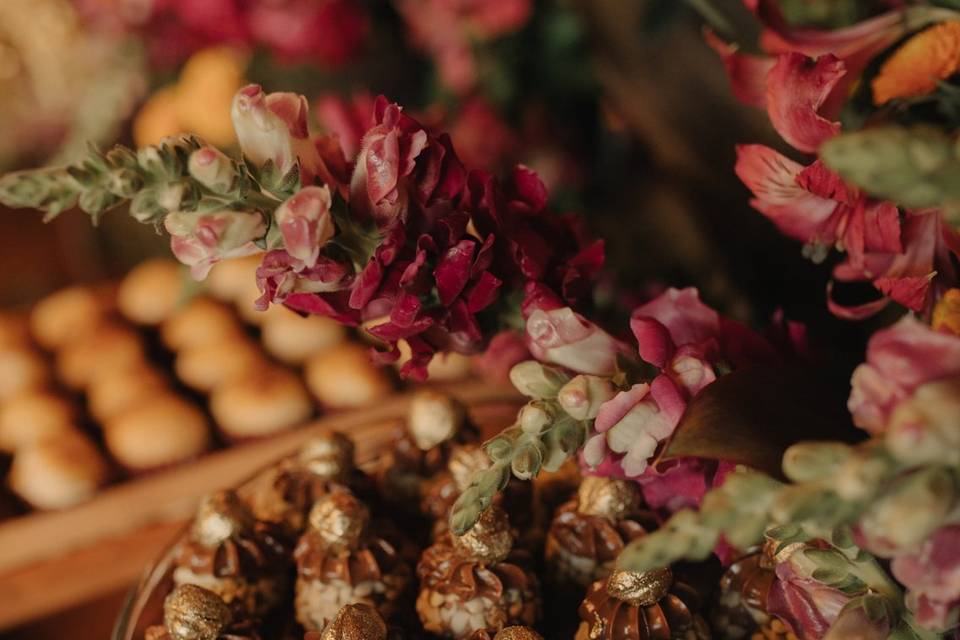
[(517, 633), (221, 515), (329, 456), (356, 622), (490, 540), (433, 418), (194, 613), (607, 497), (464, 462), (640, 588), (340, 519)]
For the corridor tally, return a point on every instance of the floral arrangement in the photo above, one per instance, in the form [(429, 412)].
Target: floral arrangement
[(386, 228)]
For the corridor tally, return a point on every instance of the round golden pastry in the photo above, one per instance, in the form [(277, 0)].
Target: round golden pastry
[(163, 430), (292, 338), (201, 321), (21, 368), (109, 346), (343, 377), (32, 416), (208, 365), (58, 472), (262, 402), (229, 279), (115, 390), (246, 301), (13, 330), (65, 316), (152, 291)]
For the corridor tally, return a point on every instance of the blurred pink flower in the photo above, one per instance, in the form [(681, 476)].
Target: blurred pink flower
[(807, 605), (306, 223), (483, 139), (201, 240), (330, 32), (347, 119), (899, 359), (506, 349), (932, 577)]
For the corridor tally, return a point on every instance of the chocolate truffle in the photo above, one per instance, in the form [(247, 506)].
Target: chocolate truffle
[(292, 338), (32, 416), (630, 605), (109, 346), (152, 291), (206, 366), (65, 316), (477, 581), (21, 368), (228, 551), (194, 613), (201, 321), (259, 403), (57, 472), (355, 622), (162, 430), (113, 391), (342, 560), (507, 633), (589, 532), (284, 493), (342, 377), (741, 607)]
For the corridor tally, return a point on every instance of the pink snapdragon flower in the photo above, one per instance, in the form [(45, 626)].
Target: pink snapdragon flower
[(932, 577), (306, 223), (200, 240), (564, 337), (807, 605), (899, 359)]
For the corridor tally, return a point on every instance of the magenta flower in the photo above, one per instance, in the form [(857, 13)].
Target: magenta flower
[(331, 32), (899, 359), (932, 577), (347, 119), (201, 240), (306, 223), (809, 606)]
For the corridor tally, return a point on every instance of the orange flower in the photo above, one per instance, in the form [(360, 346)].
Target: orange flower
[(914, 69), (946, 315)]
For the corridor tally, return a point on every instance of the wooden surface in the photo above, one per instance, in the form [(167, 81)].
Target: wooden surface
[(52, 561)]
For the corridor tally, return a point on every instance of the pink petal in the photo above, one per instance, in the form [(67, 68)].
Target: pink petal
[(747, 73), (681, 312), (797, 87), (620, 405), (653, 340)]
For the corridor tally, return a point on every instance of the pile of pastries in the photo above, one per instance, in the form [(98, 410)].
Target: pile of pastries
[(102, 383), (315, 548)]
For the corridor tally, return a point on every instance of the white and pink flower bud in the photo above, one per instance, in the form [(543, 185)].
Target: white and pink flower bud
[(583, 396), (563, 337), (199, 240), (273, 127), (213, 169), (306, 223)]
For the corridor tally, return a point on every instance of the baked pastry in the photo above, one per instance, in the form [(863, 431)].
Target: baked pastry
[(229, 279), (630, 605), (245, 303), (194, 613), (205, 366), (57, 472), (343, 377), (108, 346), (34, 415), (589, 532), (507, 633), (293, 338), (65, 316), (229, 552), (436, 424), (477, 581), (259, 403), (342, 560), (200, 321), (285, 492), (152, 291), (113, 391), (356, 622), (21, 368), (160, 431)]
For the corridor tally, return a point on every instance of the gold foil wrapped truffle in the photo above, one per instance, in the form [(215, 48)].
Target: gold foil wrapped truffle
[(194, 613), (476, 581), (354, 622), (588, 533), (228, 551), (341, 560), (507, 633), (648, 605)]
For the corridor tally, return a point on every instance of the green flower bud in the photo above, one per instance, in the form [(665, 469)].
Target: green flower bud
[(499, 449), (213, 169), (862, 474), (583, 396), (537, 416), (124, 183), (528, 459), (811, 461), (925, 428), (536, 380)]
